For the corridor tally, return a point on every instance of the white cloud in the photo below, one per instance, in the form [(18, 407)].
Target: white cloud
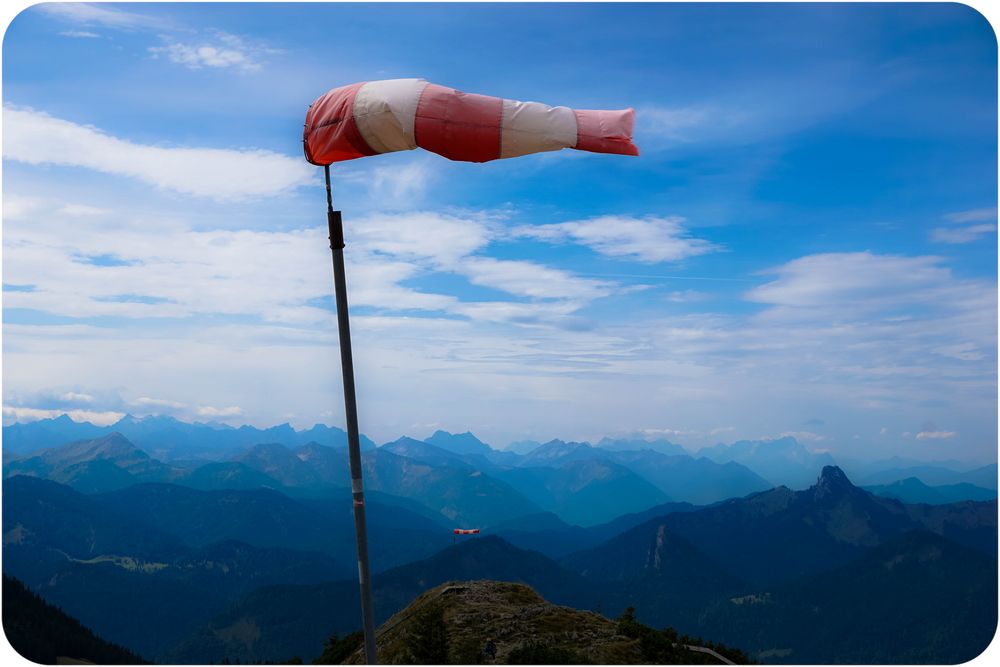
[(857, 282), (209, 411), (22, 414), (867, 336), (217, 50), (37, 138), (16, 207), (649, 240), (401, 183), (421, 235), (969, 232), (80, 34), (87, 14), (876, 331), (763, 107), (76, 397), (158, 269), (681, 124), (973, 215), (957, 235), (687, 296), (935, 435), (196, 57), (530, 279), (226, 51), (964, 351)]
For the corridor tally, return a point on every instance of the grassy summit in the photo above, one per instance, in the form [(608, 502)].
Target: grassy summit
[(451, 623)]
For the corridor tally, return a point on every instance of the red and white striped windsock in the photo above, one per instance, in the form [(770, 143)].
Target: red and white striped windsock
[(401, 114), (466, 531)]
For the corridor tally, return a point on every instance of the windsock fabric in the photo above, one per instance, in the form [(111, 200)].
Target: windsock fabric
[(402, 114)]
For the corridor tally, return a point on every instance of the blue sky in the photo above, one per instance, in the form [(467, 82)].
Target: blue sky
[(807, 244)]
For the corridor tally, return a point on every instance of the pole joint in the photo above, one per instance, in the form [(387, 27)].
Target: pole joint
[(336, 230), (333, 217)]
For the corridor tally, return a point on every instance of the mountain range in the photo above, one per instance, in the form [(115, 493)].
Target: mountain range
[(674, 574), (167, 438), (683, 476), (672, 580), (238, 555)]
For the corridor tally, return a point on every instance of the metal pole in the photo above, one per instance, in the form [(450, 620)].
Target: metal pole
[(351, 409)]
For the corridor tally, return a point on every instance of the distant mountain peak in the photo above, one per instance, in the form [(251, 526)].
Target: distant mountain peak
[(268, 447), (832, 481), (114, 438), (114, 445), (403, 440)]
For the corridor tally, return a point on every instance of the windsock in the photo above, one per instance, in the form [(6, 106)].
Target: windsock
[(402, 114), (466, 531)]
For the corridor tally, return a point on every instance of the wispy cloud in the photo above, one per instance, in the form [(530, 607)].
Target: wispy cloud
[(182, 45), (154, 403), (34, 137), (221, 51), (440, 238), (213, 412), (687, 296), (873, 359), (856, 282), (961, 231), (103, 15), (401, 183), (935, 435), (988, 214), (173, 271), (760, 107), (957, 235), (205, 55), (80, 34), (876, 327), (676, 124), (648, 240), (76, 397), (530, 279)]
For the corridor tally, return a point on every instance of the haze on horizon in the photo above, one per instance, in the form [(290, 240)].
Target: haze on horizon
[(806, 246)]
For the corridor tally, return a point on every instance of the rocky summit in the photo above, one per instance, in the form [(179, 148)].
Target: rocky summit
[(453, 622)]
